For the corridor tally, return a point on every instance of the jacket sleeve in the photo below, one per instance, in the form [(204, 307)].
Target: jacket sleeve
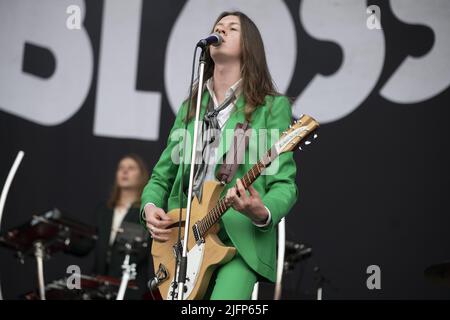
[(164, 172), (282, 191)]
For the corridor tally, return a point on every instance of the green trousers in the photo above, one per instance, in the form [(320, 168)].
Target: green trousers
[(234, 280)]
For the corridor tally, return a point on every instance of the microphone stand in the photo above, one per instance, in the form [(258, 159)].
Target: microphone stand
[(321, 282), (183, 262)]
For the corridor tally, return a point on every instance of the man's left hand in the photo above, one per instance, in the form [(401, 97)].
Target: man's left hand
[(250, 205)]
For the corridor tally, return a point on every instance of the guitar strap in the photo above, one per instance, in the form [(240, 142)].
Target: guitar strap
[(235, 154)]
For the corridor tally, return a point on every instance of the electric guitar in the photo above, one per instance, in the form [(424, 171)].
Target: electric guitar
[(205, 250)]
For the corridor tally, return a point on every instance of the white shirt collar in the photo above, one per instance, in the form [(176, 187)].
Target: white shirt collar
[(236, 88)]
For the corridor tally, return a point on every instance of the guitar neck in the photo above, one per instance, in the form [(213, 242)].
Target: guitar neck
[(302, 130), (221, 207)]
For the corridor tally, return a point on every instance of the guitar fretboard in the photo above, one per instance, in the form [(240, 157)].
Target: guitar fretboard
[(221, 207)]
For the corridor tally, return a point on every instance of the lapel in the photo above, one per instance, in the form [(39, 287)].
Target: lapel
[(204, 104), (237, 115)]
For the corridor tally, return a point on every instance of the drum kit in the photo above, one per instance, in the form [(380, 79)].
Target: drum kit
[(91, 288), (49, 233)]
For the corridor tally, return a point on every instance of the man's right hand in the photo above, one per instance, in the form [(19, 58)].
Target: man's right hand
[(157, 222)]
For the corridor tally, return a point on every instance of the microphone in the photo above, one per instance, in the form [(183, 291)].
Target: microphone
[(214, 39)]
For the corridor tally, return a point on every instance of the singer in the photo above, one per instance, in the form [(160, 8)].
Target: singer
[(239, 88)]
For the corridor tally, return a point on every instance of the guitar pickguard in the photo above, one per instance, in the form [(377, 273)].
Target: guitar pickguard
[(195, 259)]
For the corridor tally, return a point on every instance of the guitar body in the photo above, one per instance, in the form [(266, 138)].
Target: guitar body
[(204, 259)]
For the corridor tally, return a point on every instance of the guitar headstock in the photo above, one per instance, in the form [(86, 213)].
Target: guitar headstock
[(302, 132)]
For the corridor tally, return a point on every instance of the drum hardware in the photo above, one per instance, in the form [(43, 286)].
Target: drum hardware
[(45, 235), (131, 239)]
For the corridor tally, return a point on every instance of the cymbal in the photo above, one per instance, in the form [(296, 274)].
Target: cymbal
[(439, 273)]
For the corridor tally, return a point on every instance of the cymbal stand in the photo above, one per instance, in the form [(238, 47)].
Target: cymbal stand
[(129, 272)]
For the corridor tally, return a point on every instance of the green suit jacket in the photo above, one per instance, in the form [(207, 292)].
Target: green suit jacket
[(277, 187)]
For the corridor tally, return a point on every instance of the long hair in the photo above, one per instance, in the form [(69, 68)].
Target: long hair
[(115, 192), (256, 80)]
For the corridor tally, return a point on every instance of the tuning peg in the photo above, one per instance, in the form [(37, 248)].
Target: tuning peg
[(307, 142), (315, 136)]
